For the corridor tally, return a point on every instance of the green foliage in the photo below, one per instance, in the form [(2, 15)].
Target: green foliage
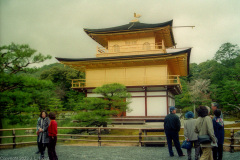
[(62, 76), (226, 53), (97, 111), (19, 104), (18, 91), (16, 58), (115, 94), (94, 112), (72, 98), (55, 105), (183, 99), (222, 74), (229, 95), (186, 109)]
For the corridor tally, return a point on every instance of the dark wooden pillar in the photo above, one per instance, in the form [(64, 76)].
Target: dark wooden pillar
[(145, 93), (167, 101)]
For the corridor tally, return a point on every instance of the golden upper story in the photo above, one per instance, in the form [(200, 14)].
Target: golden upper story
[(134, 55), (133, 39)]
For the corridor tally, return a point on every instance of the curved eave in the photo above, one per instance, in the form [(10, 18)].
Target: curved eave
[(131, 27), (124, 57), (83, 61)]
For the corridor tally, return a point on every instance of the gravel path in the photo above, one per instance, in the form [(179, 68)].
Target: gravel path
[(65, 152)]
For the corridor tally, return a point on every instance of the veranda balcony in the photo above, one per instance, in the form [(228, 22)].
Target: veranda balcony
[(171, 80), (135, 49)]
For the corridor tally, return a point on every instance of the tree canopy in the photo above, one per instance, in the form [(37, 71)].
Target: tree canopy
[(20, 92), (220, 81), (97, 111)]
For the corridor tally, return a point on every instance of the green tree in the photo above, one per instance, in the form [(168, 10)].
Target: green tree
[(222, 79), (62, 77), (226, 53), (184, 100), (72, 99), (55, 105), (97, 111), (17, 89)]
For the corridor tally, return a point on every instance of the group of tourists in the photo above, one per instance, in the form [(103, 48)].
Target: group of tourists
[(47, 134), (206, 133)]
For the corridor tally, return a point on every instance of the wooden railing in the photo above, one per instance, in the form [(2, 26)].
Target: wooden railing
[(132, 48), (168, 80), (99, 138), (78, 83)]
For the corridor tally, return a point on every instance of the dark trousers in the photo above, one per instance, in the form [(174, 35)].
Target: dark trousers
[(51, 148), (173, 136), (38, 147), (197, 149), (218, 152), (42, 147)]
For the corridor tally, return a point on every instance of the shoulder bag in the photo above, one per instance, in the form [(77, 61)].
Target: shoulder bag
[(203, 139)]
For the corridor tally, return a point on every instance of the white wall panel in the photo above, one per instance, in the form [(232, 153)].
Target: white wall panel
[(137, 106), (137, 93), (156, 93), (94, 95), (171, 101), (156, 106)]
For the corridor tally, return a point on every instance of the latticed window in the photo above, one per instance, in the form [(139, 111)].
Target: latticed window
[(116, 48), (146, 46)]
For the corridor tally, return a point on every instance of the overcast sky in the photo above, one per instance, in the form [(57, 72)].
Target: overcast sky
[(55, 27)]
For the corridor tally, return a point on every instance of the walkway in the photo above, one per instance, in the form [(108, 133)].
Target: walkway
[(100, 153)]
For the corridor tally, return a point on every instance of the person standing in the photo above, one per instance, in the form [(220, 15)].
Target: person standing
[(42, 127), (39, 118), (52, 133), (190, 135), (218, 127), (214, 107), (172, 127), (204, 126)]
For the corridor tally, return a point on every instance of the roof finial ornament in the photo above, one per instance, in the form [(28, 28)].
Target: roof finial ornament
[(137, 16)]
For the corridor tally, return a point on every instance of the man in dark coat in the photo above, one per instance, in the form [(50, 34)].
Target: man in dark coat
[(172, 127), (218, 127)]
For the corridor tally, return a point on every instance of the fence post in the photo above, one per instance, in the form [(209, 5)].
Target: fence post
[(140, 138), (232, 141), (99, 137), (14, 138)]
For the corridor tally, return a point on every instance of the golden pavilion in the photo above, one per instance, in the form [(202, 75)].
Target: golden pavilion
[(135, 55)]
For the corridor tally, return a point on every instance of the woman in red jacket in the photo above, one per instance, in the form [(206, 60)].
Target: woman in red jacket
[(52, 133)]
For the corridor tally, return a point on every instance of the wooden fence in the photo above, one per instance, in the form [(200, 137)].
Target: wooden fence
[(99, 138)]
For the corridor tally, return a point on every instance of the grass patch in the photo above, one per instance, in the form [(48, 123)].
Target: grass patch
[(232, 119)]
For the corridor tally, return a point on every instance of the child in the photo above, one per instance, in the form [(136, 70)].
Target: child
[(218, 127), (52, 133)]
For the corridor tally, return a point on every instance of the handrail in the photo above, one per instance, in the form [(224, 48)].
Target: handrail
[(164, 80), (131, 47), (99, 137)]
